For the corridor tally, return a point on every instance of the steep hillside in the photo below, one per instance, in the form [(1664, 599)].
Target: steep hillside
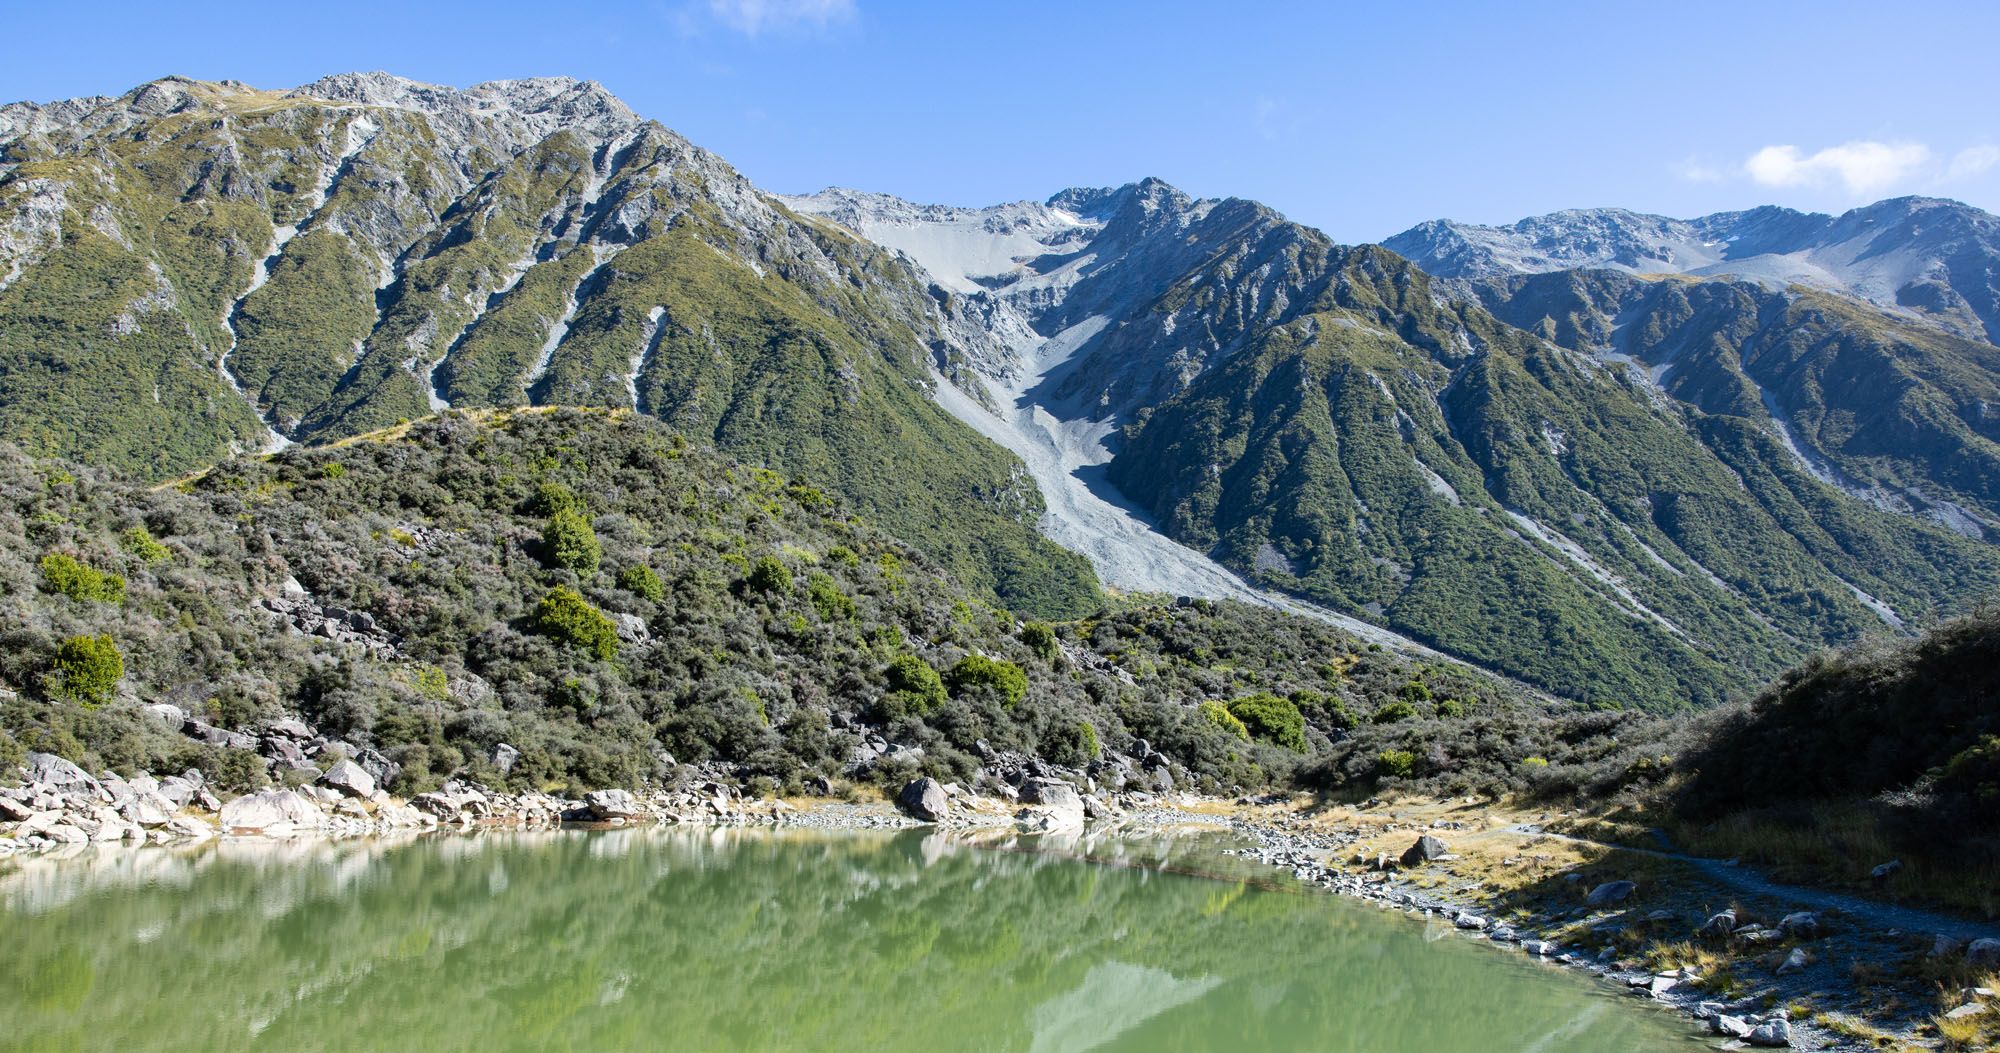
[(597, 593), (1318, 419), (1857, 757), (1894, 412), (196, 267), (1926, 257)]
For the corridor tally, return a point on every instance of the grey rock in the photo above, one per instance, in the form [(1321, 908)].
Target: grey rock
[(504, 757), (147, 810), (166, 713), (271, 812), (215, 736), (47, 771), (350, 779), (1983, 952), (1771, 1033), (1609, 893), (613, 804), (1802, 925), (1795, 962), (631, 628), (1883, 872), (1946, 946), (924, 799), (1730, 1026), (1538, 948), (1426, 849), (291, 729), (1718, 926)]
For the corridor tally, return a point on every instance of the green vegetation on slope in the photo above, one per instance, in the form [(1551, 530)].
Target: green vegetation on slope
[(435, 534)]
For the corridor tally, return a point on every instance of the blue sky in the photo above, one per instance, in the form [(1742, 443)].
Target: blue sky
[(1358, 119)]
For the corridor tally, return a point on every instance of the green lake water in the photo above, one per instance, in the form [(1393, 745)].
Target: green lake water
[(694, 939)]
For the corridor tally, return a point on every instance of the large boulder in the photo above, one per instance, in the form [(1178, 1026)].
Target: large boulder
[(1774, 1034), (50, 773), (1983, 952), (925, 800), (1426, 849), (1609, 893), (350, 779), (613, 804), (273, 812), (1056, 801)]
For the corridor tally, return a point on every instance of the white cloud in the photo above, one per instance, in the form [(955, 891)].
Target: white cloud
[(757, 17), (1972, 161), (1863, 167), (1696, 170)]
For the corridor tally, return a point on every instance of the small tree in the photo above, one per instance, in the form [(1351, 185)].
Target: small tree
[(570, 542), (564, 615), (86, 669), (140, 543)]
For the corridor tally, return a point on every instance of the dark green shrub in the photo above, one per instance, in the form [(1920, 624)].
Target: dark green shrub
[(86, 669), (569, 541), (770, 576), (976, 672), (640, 580), (564, 615), (1393, 712), (827, 598), (66, 576), (914, 687), (1041, 639), (551, 498), (1272, 719), (1074, 745)]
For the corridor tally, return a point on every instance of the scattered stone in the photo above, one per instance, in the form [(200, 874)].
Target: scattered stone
[(1966, 1010), (1538, 948), (1984, 952), (1719, 926), (1609, 893), (1883, 872), (1795, 962), (1946, 947), (1730, 1026), (925, 800)]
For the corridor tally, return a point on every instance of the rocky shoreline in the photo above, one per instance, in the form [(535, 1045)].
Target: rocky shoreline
[(59, 805)]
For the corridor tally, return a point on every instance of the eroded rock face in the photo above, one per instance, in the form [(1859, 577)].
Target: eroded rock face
[(271, 812), (925, 799)]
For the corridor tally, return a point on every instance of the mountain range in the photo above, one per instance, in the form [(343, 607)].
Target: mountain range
[(1625, 459)]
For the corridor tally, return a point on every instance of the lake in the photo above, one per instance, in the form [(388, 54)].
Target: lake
[(728, 939)]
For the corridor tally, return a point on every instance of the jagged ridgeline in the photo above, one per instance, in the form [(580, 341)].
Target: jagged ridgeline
[(195, 268), (593, 590)]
